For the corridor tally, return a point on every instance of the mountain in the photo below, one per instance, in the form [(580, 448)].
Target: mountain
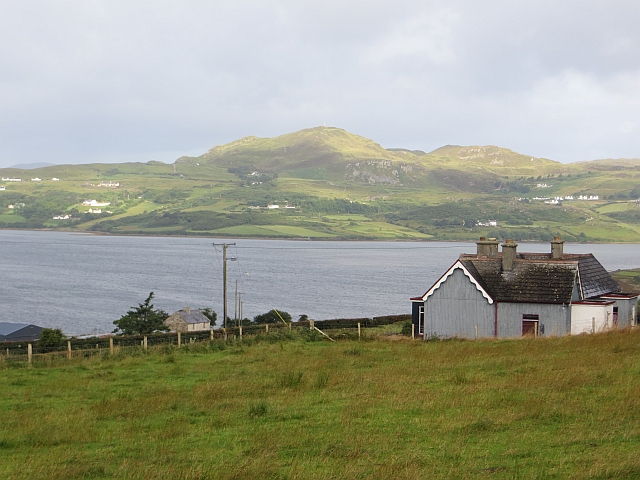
[(31, 166), (331, 153), (319, 147), (330, 183), (494, 159)]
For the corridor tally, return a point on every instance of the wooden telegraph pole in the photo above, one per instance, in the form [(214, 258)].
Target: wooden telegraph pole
[(224, 279)]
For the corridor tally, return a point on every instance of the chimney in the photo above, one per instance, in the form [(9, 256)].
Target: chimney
[(508, 254), (487, 248), (557, 247), (187, 309), (493, 247)]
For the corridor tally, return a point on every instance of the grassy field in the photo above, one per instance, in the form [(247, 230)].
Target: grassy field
[(291, 408)]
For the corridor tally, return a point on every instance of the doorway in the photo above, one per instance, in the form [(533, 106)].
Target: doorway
[(530, 325)]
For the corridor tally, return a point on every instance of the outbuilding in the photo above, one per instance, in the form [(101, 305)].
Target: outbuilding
[(511, 293), (188, 320), (19, 332)]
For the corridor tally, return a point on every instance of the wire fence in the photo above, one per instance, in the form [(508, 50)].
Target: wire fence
[(35, 353)]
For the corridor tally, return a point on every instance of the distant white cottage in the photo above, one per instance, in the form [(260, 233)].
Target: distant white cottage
[(95, 203)]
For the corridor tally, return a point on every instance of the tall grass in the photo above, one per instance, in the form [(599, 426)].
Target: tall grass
[(547, 408)]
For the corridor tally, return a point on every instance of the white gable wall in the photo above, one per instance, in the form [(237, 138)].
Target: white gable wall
[(590, 318)]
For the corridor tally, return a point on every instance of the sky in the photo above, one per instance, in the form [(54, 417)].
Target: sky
[(114, 81)]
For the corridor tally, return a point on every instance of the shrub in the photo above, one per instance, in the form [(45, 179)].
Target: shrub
[(272, 317)]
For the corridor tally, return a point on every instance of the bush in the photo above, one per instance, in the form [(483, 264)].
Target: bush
[(272, 317), (406, 328), (51, 337)]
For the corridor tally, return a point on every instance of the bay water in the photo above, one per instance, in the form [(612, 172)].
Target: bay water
[(82, 283)]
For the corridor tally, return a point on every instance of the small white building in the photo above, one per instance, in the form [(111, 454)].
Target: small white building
[(591, 316), (95, 203)]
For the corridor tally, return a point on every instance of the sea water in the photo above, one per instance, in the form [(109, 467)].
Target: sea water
[(82, 283)]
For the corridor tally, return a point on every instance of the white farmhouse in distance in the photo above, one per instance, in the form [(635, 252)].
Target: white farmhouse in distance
[(95, 203)]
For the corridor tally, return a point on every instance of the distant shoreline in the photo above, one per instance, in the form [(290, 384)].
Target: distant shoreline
[(297, 239)]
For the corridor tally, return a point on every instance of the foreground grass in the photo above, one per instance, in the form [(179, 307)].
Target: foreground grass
[(555, 408)]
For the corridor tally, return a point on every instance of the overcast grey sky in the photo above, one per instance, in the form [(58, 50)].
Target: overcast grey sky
[(92, 80)]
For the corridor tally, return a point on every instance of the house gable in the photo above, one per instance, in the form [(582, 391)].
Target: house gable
[(456, 266)]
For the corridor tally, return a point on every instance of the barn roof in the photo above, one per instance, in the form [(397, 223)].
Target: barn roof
[(193, 316)]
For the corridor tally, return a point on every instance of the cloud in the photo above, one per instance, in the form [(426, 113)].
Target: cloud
[(115, 80)]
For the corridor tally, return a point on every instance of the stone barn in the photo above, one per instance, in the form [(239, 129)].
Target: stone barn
[(188, 320)]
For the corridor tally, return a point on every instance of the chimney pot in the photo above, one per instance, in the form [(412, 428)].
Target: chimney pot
[(187, 309)]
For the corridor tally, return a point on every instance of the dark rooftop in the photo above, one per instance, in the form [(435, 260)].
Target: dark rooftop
[(536, 277)]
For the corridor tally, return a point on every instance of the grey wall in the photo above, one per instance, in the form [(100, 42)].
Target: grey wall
[(555, 319), (456, 307), (624, 311)]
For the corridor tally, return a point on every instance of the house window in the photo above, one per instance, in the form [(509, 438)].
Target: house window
[(421, 320), (530, 325)]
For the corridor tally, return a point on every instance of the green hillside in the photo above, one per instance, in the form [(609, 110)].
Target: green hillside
[(331, 184)]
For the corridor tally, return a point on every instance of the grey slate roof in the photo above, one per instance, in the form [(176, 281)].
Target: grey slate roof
[(19, 332), (536, 278), (6, 328), (194, 316)]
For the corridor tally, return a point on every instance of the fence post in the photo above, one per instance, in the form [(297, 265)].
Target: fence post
[(29, 353), (179, 340), (144, 342), (7, 353), (290, 326), (211, 335), (413, 332), (476, 331), (69, 349), (358, 330), (240, 332), (311, 322), (111, 345), (266, 328)]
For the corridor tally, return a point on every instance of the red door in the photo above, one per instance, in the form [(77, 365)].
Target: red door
[(529, 328)]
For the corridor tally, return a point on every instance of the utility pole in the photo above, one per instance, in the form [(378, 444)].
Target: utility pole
[(224, 278), (235, 304)]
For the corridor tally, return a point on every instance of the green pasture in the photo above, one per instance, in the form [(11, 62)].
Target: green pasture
[(12, 218), (272, 231), (616, 207), (348, 218), (278, 407), (382, 229)]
